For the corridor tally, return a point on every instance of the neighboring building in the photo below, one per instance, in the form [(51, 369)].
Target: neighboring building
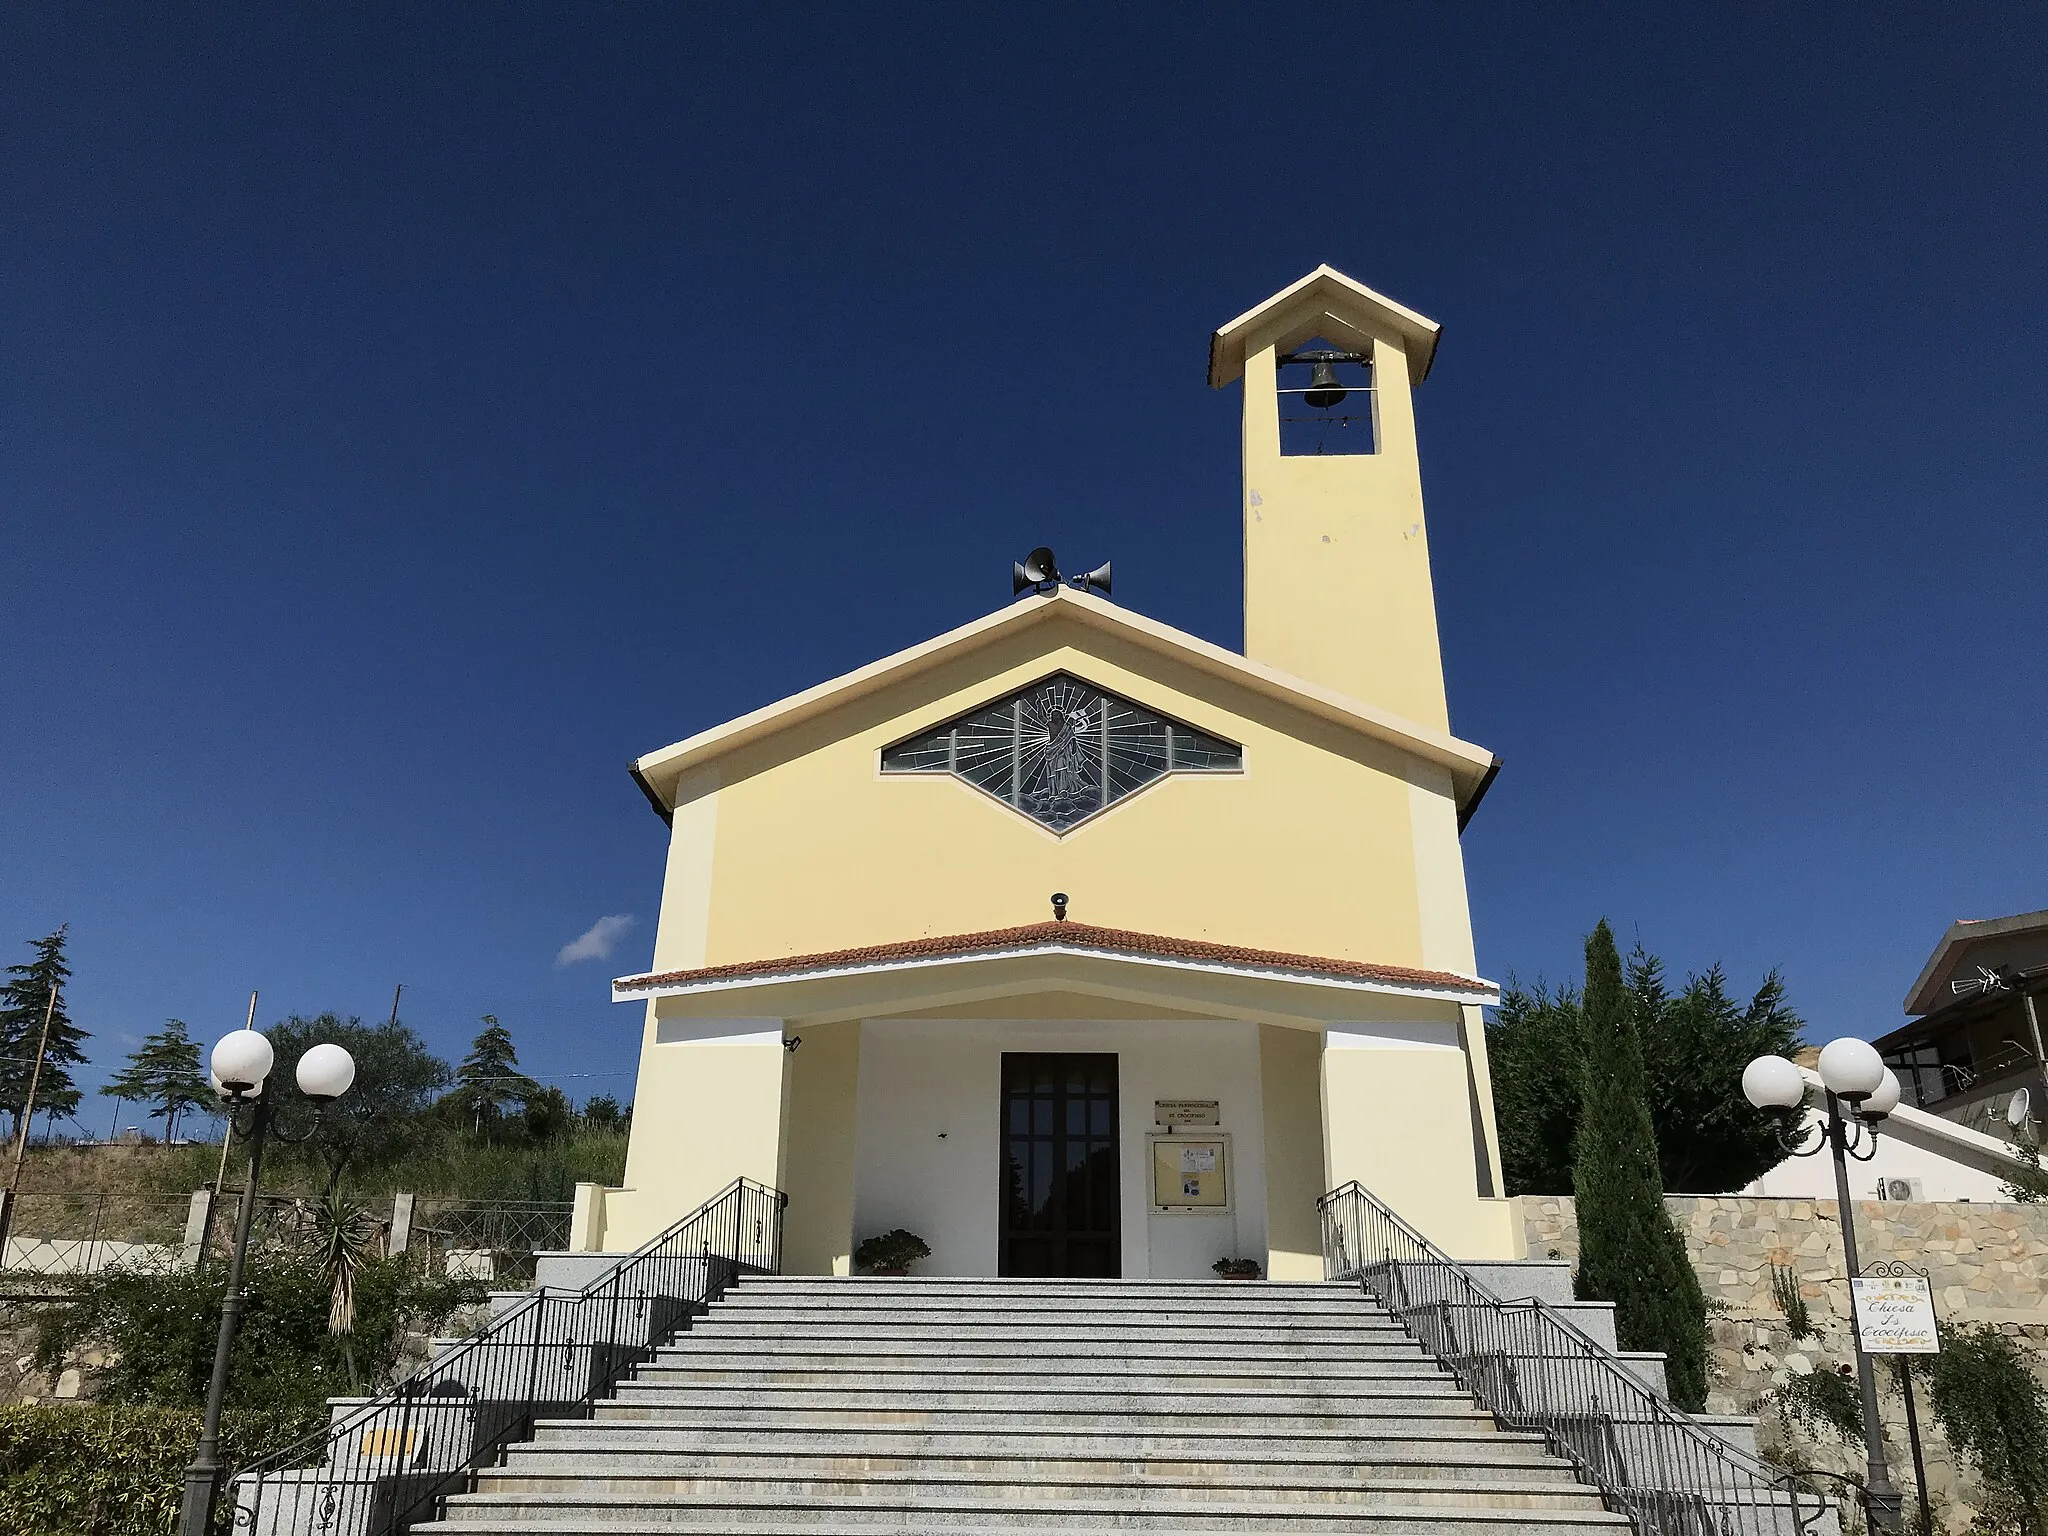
[(1917, 1157), (1974, 1054), (1969, 1071), (862, 994)]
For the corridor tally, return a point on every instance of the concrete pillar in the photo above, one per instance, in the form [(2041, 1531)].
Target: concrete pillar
[(586, 1221), (401, 1224), (195, 1229)]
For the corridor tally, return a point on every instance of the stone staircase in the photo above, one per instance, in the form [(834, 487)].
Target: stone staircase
[(814, 1406)]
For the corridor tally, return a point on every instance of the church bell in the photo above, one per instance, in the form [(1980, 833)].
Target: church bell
[(1323, 389)]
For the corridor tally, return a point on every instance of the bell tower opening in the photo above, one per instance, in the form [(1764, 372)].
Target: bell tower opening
[(1325, 400)]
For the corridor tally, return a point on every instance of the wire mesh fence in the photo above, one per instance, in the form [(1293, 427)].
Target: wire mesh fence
[(488, 1240), (84, 1231), (81, 1232)]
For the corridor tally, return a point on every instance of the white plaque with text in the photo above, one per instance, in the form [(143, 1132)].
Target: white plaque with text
[(1895, 1315)]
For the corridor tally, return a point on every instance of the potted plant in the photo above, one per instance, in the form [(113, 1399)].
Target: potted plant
[(892, 1253), (1236, 1269)]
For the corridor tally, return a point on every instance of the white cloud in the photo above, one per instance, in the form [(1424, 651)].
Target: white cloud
[(597, 941)]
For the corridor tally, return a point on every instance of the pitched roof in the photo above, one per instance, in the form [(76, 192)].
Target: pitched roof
[(1326, 303), (1065, 937), (1471, 767), (1930, 987)]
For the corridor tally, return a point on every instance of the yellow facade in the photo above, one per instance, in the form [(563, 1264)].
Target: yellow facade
[(1338, 839)]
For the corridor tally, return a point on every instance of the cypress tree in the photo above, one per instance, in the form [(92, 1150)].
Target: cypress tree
[(1630, 1251), (23, 998)]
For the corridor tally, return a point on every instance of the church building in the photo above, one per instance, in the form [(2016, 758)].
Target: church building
[(1078, 945)]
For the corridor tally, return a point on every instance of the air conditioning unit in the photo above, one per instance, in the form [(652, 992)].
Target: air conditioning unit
[(1899, 1189)]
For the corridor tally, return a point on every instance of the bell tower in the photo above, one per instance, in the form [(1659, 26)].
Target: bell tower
[(1336, 551)]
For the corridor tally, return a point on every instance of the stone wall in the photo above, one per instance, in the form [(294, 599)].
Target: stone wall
[(1988, 1263)]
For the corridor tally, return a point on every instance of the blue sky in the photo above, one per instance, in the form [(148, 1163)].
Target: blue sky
[(411, 414)]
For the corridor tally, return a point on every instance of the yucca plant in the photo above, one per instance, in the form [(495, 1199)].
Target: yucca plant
[(348, 1236)]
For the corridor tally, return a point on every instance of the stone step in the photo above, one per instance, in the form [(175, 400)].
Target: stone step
[(1475, 1437), (997, 1416), (742, 1355), (915, 1285), (1475, 1521), (608, 1517), (1051, 1396), (1081, 1344), (924, 1491), (1104, 1336), (1096, 1376), (723, 1364), (1221, 1312), (1170, 1307), (614, 1456)]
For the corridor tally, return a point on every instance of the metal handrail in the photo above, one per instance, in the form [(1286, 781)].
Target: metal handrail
[(1536, 1372), (392, 1460)]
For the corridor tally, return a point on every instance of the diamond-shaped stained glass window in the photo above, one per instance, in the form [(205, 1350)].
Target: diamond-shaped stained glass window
[(1061, 750)]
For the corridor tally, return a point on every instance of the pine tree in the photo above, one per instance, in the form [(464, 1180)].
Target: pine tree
[(489, 1080), (23, 998), (164, 1071), (1630, 1250), (1709, 1138), (1695, 1043)]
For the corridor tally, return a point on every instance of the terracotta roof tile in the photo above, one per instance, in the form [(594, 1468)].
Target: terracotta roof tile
[(1076, 935)]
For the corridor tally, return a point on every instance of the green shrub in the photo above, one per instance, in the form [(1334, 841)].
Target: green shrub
[(1786, 1293), (1823, 1400), (79, 1470), (891, 1251), (1995, 1412), (158, 1331)]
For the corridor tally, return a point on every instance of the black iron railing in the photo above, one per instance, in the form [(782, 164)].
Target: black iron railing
[(1536, 1372), (383, 1464)]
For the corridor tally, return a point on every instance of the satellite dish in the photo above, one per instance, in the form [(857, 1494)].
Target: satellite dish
[(1037, 569), (2018, 1108)]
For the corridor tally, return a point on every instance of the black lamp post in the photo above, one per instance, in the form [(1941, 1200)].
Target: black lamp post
[(241, 1061), (1860, 1091)]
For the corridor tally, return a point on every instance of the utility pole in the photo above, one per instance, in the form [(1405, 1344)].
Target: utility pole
[(394, 1003), (220, 1178), (28, 1114), (2040, 1053)]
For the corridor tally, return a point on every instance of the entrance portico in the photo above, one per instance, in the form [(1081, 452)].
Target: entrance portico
[(1000, 1094)]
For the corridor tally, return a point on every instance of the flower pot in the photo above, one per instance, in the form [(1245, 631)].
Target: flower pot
[(895, 1274)]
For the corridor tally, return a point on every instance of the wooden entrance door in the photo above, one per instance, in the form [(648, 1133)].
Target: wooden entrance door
[(1060, 1198)]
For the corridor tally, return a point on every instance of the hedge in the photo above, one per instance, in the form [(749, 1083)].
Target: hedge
[(81, 1470)]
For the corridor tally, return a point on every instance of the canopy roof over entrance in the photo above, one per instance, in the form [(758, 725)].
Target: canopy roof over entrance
[(1112, 963)]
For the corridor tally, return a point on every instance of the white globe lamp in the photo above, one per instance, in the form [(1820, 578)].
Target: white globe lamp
[(1772, 1082), (221, 1091), (1851, 1068), (1883, 1100), (326, 1072), (241, 1061)]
